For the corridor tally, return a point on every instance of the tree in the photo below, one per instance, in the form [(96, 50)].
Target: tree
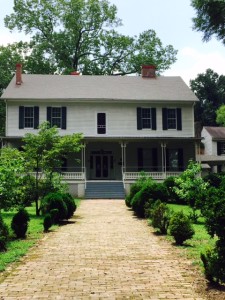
[(81, 35), (210, 18), (44, 153), (220, 115), (209, 87), (12, 166), (191, 187)]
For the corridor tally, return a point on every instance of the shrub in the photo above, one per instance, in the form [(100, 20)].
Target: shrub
[(180, 227), (169, 184), (149, 193), (20, 222), (47, 222), (54, 215), (160, 216), (135, 187), (70, 204), (54, 201), (214, 263), (4, 234), (214, 179)]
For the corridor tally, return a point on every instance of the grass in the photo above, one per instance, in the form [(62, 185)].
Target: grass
[(201, 239), (16, 248)]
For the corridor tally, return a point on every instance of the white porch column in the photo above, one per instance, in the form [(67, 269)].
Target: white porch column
[(83, 157), (163, 146), (123, 153)]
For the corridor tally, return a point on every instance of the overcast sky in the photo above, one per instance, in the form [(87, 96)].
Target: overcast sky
[(172, 21)]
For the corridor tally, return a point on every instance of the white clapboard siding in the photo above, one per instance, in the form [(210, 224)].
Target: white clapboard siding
[(121, 118)]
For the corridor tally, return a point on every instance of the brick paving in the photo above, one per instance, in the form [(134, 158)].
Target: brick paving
[(106, 253)]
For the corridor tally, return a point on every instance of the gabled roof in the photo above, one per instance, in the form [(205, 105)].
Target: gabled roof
[(87, 87), (216, 133)]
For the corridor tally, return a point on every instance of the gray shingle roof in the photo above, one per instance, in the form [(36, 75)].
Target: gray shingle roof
[(69, 87)]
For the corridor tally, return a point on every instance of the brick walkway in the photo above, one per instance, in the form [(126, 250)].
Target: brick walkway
[(106, 254)]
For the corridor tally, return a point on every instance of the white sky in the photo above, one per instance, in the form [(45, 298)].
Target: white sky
[(173, 25)]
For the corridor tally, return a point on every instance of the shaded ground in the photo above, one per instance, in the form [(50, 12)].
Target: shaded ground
[(105, 253)]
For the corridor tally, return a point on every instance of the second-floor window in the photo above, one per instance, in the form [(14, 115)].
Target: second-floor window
[(220, 148), (172, 118), (101, 123), (146, 118), (56, 116), (28, 117)]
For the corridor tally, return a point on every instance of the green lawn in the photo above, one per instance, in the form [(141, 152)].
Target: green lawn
[(18, 248), (200, 241)]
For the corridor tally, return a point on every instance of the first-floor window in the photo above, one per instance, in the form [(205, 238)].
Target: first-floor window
[(174, 159), (28, 117)]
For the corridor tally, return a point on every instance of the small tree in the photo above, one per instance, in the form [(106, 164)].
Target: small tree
[(191, 187), (45, 151), (4, 233), (20, 222), (180, 228), (11, 168)]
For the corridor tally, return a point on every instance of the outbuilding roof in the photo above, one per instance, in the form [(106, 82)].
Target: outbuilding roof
[(216, 132), (88, 87)]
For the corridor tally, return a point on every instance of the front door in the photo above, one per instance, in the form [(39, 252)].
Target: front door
[(101, 163)]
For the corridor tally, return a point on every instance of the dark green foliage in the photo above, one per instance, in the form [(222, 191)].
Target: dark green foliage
[(160, 216), (54, 215), (214, 263), (169, 184), (70, 204), (20, 222), (150, 192), (135, 187), (47, 222), (214, 179), (28, 192), (4, 234), (180, 227), (55, 201)]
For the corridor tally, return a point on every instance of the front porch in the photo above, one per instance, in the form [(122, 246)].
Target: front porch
[(126, 161)]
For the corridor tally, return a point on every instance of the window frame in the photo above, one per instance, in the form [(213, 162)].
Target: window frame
[(104, 126), (145, 118)]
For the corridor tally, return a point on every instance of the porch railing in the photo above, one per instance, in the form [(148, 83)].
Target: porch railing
[(153, 175)]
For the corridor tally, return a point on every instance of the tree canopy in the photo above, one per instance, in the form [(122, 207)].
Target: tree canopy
[(81, 35), (209, 87), (210, 18)]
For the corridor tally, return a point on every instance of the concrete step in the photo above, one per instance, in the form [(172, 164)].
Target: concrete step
[(104, 190)]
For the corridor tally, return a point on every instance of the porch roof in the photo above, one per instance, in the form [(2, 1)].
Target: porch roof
[(211, 159)]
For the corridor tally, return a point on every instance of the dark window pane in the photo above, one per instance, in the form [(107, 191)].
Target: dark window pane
[(101, 123)]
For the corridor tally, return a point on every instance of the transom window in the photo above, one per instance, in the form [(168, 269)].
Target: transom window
[(171, 118), (146, 118), (56, 116), (28, 117)]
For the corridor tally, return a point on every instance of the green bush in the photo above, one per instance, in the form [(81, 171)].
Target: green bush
[(4, 234), (169, 184), (180, 227), (47, 222), (135, 187), (54, 201), (214, 263), (20, 222), (54, 215), (214, 179), (160, 216), (149, 193), (70, 204)]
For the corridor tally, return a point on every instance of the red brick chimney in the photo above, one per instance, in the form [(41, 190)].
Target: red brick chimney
[(18, 74), (148, 71)]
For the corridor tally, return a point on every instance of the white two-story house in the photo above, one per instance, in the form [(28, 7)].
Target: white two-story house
[(129, 123)]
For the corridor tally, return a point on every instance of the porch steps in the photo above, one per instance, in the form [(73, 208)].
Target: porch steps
[(104, 190)]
